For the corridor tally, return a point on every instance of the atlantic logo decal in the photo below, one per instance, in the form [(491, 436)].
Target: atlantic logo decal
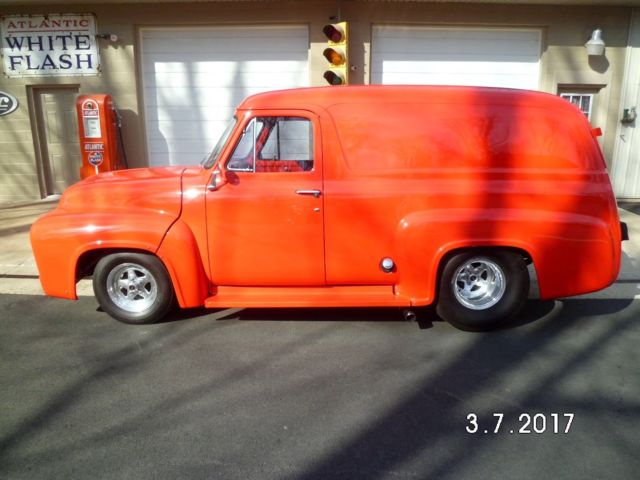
[(8, 103)]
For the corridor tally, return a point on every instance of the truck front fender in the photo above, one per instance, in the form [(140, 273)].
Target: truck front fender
[(60, 238), (180, 254)]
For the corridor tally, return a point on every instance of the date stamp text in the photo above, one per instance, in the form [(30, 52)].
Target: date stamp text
[(525, 423)]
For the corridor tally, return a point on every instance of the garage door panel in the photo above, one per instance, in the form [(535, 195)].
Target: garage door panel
[(269, 64), (406, 32), (229, 79), (439, 56), (158, 129), (167, 63), (506, 68), (483, 49), (164, 101), (211, 96), (164, 158), (187, 146), (504, 74), (212, 114), (475, 79), (228, 33), (242, 45), (194, 78), (456, 56)]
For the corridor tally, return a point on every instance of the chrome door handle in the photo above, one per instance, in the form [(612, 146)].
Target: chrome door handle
[(315, 193)]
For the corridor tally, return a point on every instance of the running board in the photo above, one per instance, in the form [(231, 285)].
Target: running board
[(331, 296)]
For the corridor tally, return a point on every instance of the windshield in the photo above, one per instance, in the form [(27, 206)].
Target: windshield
[(213, 158)]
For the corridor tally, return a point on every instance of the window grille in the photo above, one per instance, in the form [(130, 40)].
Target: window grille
[(584, 101)]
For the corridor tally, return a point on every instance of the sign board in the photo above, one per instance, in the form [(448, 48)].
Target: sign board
[(8, 103), (49, 45), (91, 119)]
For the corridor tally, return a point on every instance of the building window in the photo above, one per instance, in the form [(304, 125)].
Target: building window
[(584, 101)]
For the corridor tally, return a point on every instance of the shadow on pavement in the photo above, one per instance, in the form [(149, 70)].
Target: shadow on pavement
[(533, 311)]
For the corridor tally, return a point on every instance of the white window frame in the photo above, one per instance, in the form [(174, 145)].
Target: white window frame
[(569, 95)]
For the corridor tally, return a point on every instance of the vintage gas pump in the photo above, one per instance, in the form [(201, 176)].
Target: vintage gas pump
[(100, 136)]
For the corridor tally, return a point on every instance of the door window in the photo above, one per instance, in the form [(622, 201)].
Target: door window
[(274, 144)]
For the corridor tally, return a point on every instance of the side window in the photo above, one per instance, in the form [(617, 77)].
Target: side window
[(274, 144)]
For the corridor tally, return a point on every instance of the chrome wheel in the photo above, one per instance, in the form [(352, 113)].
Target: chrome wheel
[(479, 283), (132, 287)]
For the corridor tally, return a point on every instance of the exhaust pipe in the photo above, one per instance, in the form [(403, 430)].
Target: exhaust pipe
[(409, 315)]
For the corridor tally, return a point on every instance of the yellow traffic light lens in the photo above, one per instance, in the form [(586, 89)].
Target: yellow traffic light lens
[(334, 56), (334, 33), (334, 78)]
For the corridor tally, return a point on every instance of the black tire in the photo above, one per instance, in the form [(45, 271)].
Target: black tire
[(133, 287), (457, 287)]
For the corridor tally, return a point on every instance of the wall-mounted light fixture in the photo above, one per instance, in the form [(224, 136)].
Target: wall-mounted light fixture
[(629, 115), (595, 45), (112, 37)]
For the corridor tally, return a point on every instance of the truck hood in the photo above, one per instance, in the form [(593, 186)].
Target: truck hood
[(138, 190)]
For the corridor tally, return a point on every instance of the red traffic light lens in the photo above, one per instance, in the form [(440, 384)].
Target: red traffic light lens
[(333, 32), (333, 78), (334, 56)]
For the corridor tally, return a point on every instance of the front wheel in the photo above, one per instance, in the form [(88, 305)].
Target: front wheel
[(133, 287), (481, 290)]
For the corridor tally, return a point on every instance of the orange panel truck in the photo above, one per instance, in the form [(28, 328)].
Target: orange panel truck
[(356, 196)]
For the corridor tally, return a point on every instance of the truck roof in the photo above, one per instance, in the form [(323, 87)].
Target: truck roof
[(324, 97)]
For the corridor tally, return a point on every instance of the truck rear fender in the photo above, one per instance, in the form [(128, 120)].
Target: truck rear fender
[(561, 245)]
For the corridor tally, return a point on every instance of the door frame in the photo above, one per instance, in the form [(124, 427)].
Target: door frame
[(36, 118)]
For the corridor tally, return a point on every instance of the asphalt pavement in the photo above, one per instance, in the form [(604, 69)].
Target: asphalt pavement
[(318, 394)]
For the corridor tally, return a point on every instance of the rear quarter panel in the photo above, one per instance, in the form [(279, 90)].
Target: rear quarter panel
[(418, 179)]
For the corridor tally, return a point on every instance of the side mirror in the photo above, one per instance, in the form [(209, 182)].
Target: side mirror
[(217, 180)]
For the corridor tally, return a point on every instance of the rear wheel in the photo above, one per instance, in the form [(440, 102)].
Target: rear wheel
[(482, 290), (133, 287)]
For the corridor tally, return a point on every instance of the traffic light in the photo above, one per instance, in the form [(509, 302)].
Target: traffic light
[(337, 53)]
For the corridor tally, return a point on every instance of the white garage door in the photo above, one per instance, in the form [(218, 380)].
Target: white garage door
[(488, 57), (193, 79)]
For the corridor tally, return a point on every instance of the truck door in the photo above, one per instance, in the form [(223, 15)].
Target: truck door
[(265, 224)]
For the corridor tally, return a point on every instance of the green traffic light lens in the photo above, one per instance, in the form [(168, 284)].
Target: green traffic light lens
[(333, 78)]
